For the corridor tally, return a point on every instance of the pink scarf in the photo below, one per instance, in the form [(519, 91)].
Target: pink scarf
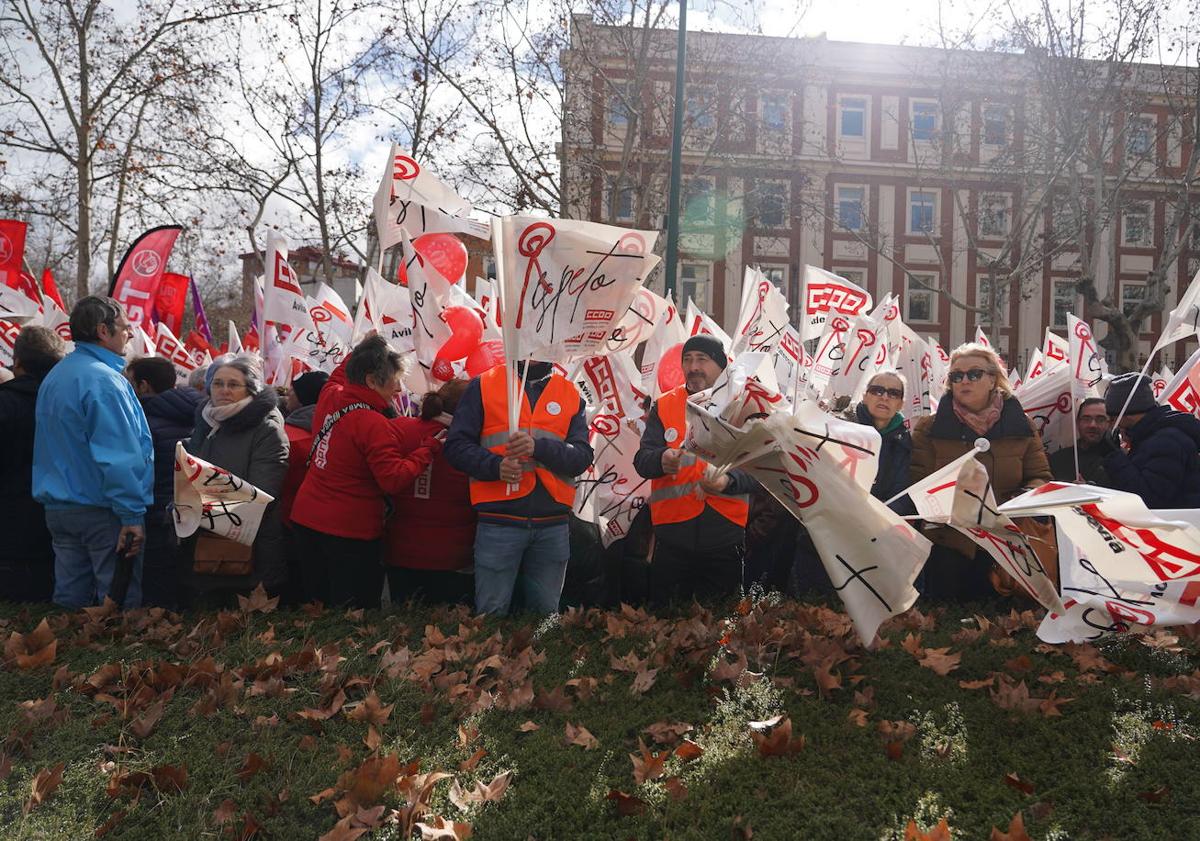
[(983, 420)]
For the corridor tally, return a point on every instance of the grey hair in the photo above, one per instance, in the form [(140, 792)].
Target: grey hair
[(89, 313), (250, 368), (197, 379)]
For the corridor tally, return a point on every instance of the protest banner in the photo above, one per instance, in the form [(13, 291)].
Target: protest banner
[(211, 498), (763, 316), (826, 293), (170, 300), (135, 284), (410, 199)]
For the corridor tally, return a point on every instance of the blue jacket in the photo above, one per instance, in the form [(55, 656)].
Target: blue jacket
[(92, 445), (566, 458), (1163, 464), (171, 416)]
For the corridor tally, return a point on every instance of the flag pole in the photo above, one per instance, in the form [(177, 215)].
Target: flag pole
[(1129, 399), (672, 256)]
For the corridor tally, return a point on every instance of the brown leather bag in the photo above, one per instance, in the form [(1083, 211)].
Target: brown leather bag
[(221, 556)]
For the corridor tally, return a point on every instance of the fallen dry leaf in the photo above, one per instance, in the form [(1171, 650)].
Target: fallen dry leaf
[(940, 661), (257, 601), (1016, 831), (253, 764), (481, 793), (224, 813), (648, 765), (147, 722), (1155, 795), (470, 762), (666, 733), (32, 650), (857, 717), (44, 784), (676, 789), (941, 832), (529, 727), (579, 735), (1023, 786), (779, 741), (371, 710), (626, 804), (689, 750), (643, 681), (984, 683), (438, 828)]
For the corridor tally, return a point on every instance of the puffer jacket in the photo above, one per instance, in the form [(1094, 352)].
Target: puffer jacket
[(895, 454), (1015, 460), (252, 446), (172, 417), (1163, 462)]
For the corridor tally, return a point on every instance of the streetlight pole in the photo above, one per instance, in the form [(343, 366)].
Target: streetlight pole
[(676, 155)]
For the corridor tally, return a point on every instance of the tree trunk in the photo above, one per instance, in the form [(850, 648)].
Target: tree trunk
[(83, 185)]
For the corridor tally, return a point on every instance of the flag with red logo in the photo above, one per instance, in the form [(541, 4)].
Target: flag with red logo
[(667, 333), (1088, 367), (763, 316), (170, 300), (12, 251), (1049, 402), (51, 288), (136, 283), (1184, 320), (866, 355), (176, 351), (412, 199), (826, 293), (1055, 348), (1182, 391), (211, 498), (331, 315), (387, 309), (697, 323)]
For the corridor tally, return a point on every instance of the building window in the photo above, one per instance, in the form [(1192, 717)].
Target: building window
[(853, 117), (1132, 294), (694, 282), (850, 203), (698, 201), (701, 110), (1135, 225), (621, 201), (1139, 141), (1064, 301), (772, 205), (924, 120), (995, 125), (919, 299), (993, 215), (774, 111), (778, 275), (922, 210), (855, 276), (620, 106)]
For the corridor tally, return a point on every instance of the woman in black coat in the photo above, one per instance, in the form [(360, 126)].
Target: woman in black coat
[(880, 407)]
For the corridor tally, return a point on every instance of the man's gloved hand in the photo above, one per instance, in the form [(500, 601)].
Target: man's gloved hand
[(1113, 439)]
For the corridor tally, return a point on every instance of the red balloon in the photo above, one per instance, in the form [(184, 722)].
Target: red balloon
[(445, 253), (485, 357), (442, 369), (466, 328), (670, 368)]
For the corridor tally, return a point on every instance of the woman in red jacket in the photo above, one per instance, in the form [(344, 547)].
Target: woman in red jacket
[(358, 460), (431, 537)]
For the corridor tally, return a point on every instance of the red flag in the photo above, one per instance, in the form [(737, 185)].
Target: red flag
[(170, 300), (141, 269), (12, 251), (50, 288), (250, 341), (28, 287)]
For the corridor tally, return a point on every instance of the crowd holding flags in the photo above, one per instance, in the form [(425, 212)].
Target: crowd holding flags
[(572, 293)]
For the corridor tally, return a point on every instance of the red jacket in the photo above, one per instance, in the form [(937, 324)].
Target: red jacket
[(365, 460), (299, 445), (434, 524)]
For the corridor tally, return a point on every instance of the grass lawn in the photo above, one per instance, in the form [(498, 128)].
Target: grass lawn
[(296, 725)]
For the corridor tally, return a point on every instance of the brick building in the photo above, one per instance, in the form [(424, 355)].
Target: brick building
[(904, 169)]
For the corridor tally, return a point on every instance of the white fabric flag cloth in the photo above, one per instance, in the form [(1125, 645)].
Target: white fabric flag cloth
[(166, 345), (696, 322), (430, 294), (284, 302), (1055, 348), (235, 341), (872, 556), (387, 309), (1048, 401), (1037, 367), (412, 199), (724, 425), (1159, 381), (610, 493), (829, 355), (489, 302), (566, 284), (1087, 362), (1184, 320), (9, 330), (1182, 391), (212, 498), (913, 350), (933, 496), (1127, 543), (331, 315), (866, 355), (981, 338), (667, 333), (1093, 608), (763, 316), (939, 369), (639, 322), (15, 305), (826, 293), (887, 312), (790, 356)]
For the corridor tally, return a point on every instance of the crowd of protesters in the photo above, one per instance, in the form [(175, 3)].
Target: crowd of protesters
[(449, 507)]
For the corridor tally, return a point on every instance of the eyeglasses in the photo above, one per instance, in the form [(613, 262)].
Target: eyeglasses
[(974, 375), (232, 386), (880, 391)]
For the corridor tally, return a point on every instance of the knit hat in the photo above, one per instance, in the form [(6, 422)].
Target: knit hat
[(1118, 393), (710, 346), (307, 387)]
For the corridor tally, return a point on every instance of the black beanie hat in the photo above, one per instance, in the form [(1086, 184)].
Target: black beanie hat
[(307, 387), (1118, 393), (710, 346)]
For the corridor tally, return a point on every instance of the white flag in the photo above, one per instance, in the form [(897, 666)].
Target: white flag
[(696, 323), (829, 355), (866, 355), (914, 361), (566, 284), (235, 341), (640, 321), (825, 293), (763, 317), (170, 347), (1037, 367), (666, 335), (1182, 391), (387, 309), (331, 315), (1088, 367), (790, 356), (1159, 381), (284, 302), (1184, 320), (412, 199), (1055, 348), (212, 498), (1049, 403)]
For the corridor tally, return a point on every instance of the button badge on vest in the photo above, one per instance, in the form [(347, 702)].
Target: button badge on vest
[(553, 408), (670, 435)]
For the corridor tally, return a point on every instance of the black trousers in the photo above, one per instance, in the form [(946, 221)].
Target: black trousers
[(340, 571), (951, 576), (430, 586), (162, 574), (680, 575)]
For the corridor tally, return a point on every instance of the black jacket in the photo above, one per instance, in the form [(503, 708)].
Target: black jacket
[(26, 540), (171, 417), (1163, 462), (1091, 463), (707, 532), (895, 456)]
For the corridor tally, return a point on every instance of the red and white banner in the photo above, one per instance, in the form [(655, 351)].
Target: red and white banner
[(763, 317), (866, 355), (167, 345), (640, 321), (331, 315), (1055, 348), (1088, 367), (12, 251), (566, 284), (1184, 320), (829, 355), (141, 270), (666, 337), (1158, 383), (826, 293), (1182, 393), (1048, 401), (411, 199), (170, 300), (211, 498), (387, 309), (697, 323)]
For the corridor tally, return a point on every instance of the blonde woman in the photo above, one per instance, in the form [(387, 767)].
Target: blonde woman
[(978, 404)]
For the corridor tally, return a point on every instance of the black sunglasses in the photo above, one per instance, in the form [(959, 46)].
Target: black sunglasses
[(880, 391), (974, 375)]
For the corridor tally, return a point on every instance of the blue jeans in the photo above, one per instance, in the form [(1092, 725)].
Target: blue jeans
[(533, 559), (85, 557)]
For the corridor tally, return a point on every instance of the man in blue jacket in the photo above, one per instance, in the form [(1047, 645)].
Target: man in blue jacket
[(1162, 464), (522, 485), (93, 462)]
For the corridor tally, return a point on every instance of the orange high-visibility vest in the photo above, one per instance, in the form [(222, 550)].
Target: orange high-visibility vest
[(676, 498), (550, 418)]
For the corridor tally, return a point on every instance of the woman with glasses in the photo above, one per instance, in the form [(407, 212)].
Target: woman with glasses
[(977, 406), (240, 429), (880, 408)]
